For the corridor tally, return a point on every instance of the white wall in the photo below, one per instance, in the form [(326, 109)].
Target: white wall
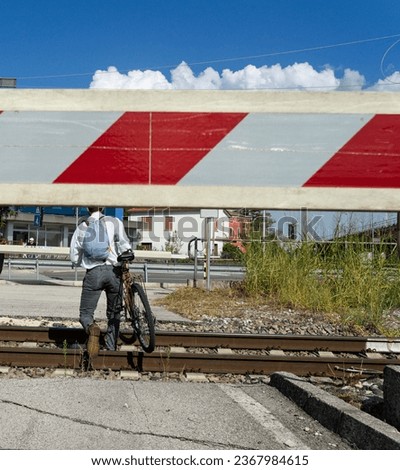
[(185, 226)]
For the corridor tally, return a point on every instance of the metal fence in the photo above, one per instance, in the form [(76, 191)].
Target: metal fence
[(34, 269)]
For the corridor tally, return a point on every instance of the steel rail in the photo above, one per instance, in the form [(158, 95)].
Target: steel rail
[(345, 344), (259, 354), (166, 362)]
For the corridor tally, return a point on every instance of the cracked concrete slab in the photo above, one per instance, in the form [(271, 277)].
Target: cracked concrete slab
[(83, 414)]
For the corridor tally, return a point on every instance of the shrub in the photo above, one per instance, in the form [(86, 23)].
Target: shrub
[(340, 279), (230, 251)]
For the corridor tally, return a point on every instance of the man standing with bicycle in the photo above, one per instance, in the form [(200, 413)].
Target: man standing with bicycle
[(95, 246)]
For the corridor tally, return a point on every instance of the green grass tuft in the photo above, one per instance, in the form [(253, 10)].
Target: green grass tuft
[(336, 277)]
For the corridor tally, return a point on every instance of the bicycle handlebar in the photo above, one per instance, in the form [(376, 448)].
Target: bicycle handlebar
[(126, 256)]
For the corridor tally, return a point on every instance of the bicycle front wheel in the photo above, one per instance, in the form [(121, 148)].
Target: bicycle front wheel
[(142, 318)]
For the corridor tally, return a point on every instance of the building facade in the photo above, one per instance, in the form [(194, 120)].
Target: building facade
[(48, 226), (148, 229), (173, 229)]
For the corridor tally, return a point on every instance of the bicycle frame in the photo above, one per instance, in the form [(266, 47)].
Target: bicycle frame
[(136, 305)]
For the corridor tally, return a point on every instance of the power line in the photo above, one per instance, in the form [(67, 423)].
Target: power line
[(231, 59), (383, 60), (296, 51)]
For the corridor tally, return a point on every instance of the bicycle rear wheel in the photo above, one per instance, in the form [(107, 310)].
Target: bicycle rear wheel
[(142, 318)]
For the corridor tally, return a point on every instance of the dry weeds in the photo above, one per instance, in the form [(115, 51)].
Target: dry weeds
[(197, 303), (193, 303)]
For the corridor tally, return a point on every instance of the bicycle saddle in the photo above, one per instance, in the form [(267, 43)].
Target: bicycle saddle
[(127, 255)]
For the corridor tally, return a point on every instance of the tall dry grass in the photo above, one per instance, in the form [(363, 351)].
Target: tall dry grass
[(334, 277)]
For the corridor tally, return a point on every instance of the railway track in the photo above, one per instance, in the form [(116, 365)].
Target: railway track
[(209, 353)]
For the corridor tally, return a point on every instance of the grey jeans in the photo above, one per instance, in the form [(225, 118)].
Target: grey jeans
[(102, 278)]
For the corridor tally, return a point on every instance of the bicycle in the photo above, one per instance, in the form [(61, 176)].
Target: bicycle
[(135, 304)]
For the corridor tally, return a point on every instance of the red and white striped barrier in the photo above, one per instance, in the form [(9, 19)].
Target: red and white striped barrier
[(201, 150)]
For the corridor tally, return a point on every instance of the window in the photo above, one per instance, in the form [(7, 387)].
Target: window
[(147, 224), (146, 246), (168, 223), (48, 235)]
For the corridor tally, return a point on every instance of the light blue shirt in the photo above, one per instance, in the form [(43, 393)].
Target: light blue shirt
[(116, 234)]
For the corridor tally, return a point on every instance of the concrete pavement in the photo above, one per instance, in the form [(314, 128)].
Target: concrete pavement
[(59, 300), (101, 413), (68, 413)]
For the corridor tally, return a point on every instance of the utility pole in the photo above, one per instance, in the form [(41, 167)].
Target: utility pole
[(264, 228), (209, 215), (303, 224)]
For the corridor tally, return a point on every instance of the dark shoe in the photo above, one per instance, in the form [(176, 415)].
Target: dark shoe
[(93, 344)]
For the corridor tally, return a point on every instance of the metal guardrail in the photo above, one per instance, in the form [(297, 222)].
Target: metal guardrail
[(36, 256), (64, 252), (144, 268)]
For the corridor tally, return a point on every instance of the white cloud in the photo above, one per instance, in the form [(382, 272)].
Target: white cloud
[(390, 83), (352, 81), (183, 78), (136, 79), (297, 76)]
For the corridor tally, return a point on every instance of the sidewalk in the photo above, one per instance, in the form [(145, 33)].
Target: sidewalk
[(49, 298)]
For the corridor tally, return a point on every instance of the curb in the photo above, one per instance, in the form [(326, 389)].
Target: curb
[(357, 427)]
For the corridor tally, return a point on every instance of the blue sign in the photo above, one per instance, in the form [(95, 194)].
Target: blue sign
[(38, 217)]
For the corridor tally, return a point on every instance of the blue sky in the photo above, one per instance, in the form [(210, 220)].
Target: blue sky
[(65, 42), (202, 44)]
